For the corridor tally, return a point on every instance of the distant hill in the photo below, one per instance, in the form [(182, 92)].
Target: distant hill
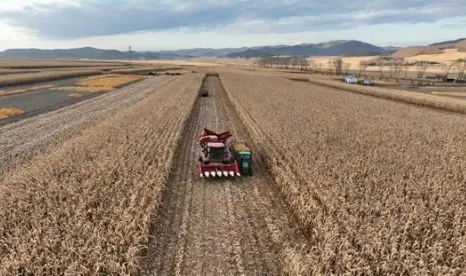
[(202, 52), (82, 53), (449, 42), (435, 48), (331, 48), (417, 50), (93, 53)]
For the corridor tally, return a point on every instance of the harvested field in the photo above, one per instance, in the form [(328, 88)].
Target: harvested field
[(28, 78), (218, 227), (20, 140), (53, 95), (53, 64), (420, 98), (137, 70), (377, 185), (16, 71), (87, 210)]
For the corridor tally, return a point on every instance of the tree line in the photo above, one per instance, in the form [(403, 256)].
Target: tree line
[(388, 67)]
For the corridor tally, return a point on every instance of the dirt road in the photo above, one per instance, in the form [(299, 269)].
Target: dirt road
[(217, 226)]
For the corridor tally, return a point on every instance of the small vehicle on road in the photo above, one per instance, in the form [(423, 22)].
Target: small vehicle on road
[(368, 82), (204, 93), (351, 79)]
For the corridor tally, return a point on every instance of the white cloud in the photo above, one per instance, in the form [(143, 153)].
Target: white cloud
[(174, 24)]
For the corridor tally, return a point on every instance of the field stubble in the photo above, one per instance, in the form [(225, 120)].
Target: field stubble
[(377, 185)]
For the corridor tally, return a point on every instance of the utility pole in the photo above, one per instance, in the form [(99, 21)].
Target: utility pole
[(129, 54)]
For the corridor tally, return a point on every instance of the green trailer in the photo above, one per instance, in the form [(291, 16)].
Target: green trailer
[(243, 156)]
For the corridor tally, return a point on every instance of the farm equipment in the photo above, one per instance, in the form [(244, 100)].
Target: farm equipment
[(217, 158), (204, 93), (243, 156)]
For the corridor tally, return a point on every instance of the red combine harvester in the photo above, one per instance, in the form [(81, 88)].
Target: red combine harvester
[(217, 159)]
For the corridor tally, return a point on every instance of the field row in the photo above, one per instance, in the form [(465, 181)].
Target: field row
[(377, 185)]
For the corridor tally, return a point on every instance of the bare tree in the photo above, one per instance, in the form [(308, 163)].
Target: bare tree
[(338, 65), (421, 68), (461, 68), (311, 64), (405, 69), (319, 67), (346, 67), (330, 66), (381, 69), (391, 67), (304, 64), (447, 67), (396, 67), (363, 64)]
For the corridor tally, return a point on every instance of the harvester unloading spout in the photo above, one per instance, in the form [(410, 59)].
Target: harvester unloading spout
[(211, 136)]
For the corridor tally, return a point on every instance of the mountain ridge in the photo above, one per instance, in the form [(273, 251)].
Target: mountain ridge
[(329, 48)]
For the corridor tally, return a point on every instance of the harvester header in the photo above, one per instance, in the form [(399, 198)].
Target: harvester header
[(219, 159)]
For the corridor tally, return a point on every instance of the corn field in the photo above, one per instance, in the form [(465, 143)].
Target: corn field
[(377, 186), (346, 181), (87, 208)]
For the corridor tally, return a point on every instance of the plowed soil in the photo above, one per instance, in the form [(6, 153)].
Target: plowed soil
[(226, 226)]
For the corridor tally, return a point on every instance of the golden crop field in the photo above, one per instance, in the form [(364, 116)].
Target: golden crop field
[(105, 83), (377, 185), (87, 209), (347, 180)]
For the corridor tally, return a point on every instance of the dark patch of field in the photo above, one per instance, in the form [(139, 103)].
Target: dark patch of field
[(41, 101)]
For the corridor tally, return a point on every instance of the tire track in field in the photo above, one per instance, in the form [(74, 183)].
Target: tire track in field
[(217, 226)]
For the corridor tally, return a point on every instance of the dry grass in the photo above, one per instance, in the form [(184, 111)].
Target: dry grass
[(28, 78), (378, 186), (85, 208), (104, 83), (143, 69), (445, 56), (8, 112), (457, 94), (75, 95), (112, 81)]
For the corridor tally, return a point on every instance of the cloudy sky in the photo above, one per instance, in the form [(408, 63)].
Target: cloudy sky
[(175, 24)]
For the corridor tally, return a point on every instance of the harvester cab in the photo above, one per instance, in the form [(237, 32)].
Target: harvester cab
[(217, 159)]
